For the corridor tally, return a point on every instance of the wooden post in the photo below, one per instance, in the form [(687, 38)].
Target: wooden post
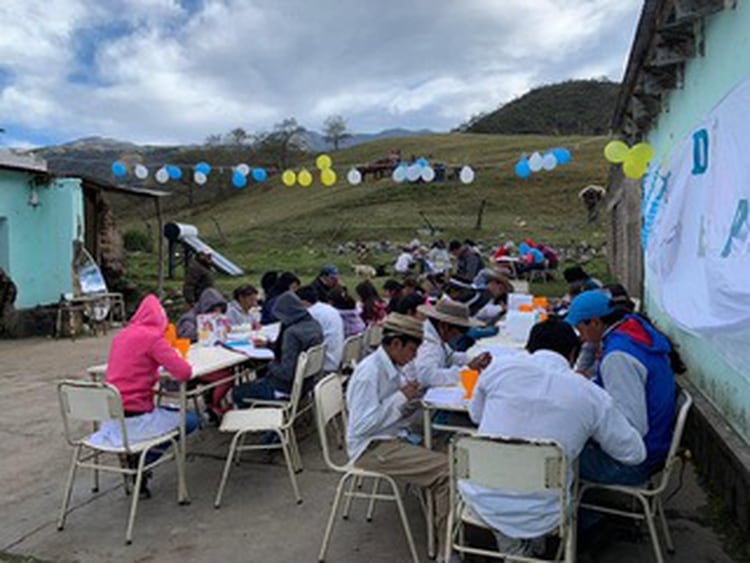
[(160, 243), (478, 226)]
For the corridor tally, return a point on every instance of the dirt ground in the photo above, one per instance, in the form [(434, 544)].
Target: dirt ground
[(259, 520)]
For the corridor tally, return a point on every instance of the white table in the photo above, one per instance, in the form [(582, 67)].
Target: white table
[(204, 360)]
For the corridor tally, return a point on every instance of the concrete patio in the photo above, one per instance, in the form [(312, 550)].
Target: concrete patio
[(258, 521)]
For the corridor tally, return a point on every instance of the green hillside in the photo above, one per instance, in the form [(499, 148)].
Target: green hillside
[(273, 226), (574, 107)]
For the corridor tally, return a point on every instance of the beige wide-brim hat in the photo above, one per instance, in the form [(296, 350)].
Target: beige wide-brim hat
[(451, 312), (403, 324)]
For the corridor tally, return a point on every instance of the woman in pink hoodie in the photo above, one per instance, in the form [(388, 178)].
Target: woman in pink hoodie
[(135, 357)]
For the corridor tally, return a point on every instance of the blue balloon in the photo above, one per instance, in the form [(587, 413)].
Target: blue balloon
[(563, 156), (119, 169), (523, 170), (175, 172), (423, 162), (260, 174), (239, 180), (203, 167)]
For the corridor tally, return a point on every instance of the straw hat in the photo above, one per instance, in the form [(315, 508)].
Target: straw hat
[(403, 324), (451, 312)]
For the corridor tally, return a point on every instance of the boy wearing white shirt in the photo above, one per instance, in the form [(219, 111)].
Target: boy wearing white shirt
[(539, 396), (377, 400), (332, 324)]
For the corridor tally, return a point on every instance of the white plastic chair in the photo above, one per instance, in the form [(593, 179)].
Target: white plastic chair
[(86, 401), (650, 496), (272, 416), (514, 465), (329, 405)]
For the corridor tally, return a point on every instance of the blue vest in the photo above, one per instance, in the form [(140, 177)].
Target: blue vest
[(636, 337)]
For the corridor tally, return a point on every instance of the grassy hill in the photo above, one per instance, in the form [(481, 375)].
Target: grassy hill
[(575, 107), (272, 226)]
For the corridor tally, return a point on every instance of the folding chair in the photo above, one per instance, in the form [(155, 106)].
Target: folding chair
[(329, 405), (272, 416), (86, 401), (650, 496), (371, 339), (513, 465), (351, 354)]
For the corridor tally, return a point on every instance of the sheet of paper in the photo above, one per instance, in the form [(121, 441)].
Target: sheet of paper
[(246, 347), (451, 396)]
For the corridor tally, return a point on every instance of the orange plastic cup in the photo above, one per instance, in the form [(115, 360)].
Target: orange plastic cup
[(171, 334), (469, 378), (541, 302), (183, 346), (526, 308)]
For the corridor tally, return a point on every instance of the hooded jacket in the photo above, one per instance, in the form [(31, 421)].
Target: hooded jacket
[(647, 350), (299, 331), (187, 325), (136, 354)]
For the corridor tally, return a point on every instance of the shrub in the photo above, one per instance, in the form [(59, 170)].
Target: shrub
[(137, 241)]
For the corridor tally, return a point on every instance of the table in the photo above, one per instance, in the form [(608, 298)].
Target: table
[(204, 360), (74, 305)]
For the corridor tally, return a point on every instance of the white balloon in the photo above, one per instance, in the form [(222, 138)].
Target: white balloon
[(162, 176), (200, 178), (428, 174), (140, 171), (399, 174), (549, 161), (243, 169), (354, 176), (535, 162), (466, 175), (414, 172)]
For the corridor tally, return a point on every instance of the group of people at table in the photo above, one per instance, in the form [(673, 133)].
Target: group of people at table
[(598, 380)]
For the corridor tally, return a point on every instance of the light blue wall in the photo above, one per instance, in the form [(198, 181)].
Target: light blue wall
[(39, 240), (707, 80)]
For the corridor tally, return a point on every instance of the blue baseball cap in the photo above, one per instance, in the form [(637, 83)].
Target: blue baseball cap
[(329, 270), (592, 304)]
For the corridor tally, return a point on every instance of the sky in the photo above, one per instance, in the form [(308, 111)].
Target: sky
[(175, 71)]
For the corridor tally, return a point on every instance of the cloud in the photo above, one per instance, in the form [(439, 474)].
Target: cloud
[(175, 71)]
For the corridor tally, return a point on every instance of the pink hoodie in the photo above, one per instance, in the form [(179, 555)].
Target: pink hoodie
[(136, 354)]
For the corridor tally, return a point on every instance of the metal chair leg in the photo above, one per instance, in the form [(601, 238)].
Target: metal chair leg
[(664, 525), (125, 476), (68, 488), (181, 485), (371, 504), (348, 500), (404, 520), (649, 516), (290, 468), (227, 467), (332, 517), (134, 497)]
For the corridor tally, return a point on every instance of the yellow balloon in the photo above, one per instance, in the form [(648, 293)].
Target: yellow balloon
[(288, 178), (634, 169), (304, 178), (328, 177), (642, 152), (323, 162), (616, 151)]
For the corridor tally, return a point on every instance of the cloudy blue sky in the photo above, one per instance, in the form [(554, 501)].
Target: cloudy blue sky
[(167, 71)]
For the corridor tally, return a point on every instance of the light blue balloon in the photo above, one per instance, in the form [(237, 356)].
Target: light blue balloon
[(423, 162), (260, 174), (203, 167), (239, 180), (563, 156), (523, 170), (119, 169), (175, 172)]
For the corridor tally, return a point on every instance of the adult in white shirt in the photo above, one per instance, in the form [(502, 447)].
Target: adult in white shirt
[(539, 396), (437, 363), (378, 402), (330, 321), (404, 262)]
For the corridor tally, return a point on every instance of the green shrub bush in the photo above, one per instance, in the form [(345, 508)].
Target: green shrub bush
[(137, 241)]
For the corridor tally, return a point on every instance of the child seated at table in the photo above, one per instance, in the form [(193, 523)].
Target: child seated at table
[(210, 301), (136, 354)]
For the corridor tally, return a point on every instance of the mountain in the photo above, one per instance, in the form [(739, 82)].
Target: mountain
[(574, 107)]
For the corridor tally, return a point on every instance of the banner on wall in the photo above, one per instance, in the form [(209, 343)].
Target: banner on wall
[(696, 222)]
